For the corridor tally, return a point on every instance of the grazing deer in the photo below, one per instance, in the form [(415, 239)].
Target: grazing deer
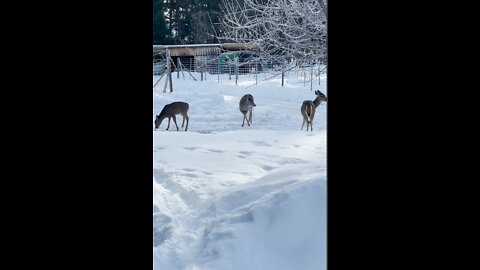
[(246, 104), (308, 109), (170, 110)]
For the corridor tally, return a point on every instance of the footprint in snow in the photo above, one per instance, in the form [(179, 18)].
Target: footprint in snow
[(261, 143), (215, 150)]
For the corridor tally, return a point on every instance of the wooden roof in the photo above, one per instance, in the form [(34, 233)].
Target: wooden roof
[(199, 49)]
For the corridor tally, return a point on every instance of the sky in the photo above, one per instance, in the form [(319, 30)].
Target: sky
[(229, 197)]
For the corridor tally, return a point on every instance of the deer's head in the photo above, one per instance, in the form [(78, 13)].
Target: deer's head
[(157, 121), (321, 96)]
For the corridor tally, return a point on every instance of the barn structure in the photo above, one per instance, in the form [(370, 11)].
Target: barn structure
[(211, 58)]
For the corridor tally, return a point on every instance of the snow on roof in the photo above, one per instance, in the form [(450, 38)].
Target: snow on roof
[(199, 49)]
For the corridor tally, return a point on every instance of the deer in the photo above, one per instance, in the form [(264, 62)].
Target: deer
[(170, 110), (246, 105), (308, 109), (320, 97)]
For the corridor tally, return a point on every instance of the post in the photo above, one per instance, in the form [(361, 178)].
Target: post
[(311, 76), (304, 76), (236, 70), (178, 67), (166, 74), (168, 77), (319, 76), (170, 80), (182, 68)]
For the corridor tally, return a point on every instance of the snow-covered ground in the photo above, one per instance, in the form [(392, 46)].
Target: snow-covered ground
[(233, 198)]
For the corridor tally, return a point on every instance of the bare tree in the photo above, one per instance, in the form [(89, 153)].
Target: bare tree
[(282, 30)]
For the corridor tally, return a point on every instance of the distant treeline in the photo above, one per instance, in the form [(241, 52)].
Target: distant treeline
[(186, 21)]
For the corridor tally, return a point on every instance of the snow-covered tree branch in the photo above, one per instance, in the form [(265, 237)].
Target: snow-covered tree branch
[(282, 30)]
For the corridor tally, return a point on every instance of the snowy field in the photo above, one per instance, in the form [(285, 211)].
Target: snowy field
[(227, 197)]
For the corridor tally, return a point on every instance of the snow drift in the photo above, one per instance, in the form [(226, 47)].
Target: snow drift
[(233, 198)]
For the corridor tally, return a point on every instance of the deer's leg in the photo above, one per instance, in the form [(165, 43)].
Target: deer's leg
[(250, 115), (311, 120), (175, 121), (304, 115), (185, 116), (168, 126)]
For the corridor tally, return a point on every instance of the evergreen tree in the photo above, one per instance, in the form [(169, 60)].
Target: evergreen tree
[(186, 21), (161, 33)]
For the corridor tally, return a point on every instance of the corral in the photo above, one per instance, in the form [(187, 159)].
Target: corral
[(211, 58)]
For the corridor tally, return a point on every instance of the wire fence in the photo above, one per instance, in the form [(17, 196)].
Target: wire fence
[(234, 64)]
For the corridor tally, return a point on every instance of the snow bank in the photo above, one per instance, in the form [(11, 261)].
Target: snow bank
[(277, 223), (233, 198)]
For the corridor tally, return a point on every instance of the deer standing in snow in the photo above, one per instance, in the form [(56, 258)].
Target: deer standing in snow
[(246, 105), (308, 109), (170, 110)]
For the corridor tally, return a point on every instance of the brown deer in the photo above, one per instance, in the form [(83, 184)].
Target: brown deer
[(170, 110), (320, 97), (308, 109), (246, 105)]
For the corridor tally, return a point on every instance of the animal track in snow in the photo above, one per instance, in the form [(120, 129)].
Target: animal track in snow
[(261, 143)]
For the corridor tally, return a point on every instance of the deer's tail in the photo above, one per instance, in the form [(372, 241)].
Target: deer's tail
[(309, 107)]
